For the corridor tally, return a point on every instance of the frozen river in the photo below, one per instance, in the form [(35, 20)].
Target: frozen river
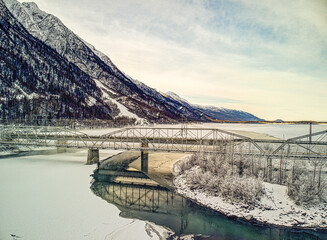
[(282, 131), (48, 196)]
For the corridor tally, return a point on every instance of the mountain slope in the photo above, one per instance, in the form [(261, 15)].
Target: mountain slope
[(116, 86), (227, 114), (35, 79)]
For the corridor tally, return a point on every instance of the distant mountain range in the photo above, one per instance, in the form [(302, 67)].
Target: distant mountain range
[(215, 113), (46, 69)]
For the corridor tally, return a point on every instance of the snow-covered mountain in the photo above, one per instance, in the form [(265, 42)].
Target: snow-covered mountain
[(113, 91), (130, 96), (217, 113), (35, 79)]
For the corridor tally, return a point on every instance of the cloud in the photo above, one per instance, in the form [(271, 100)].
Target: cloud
[(267, 57), (291, 33)]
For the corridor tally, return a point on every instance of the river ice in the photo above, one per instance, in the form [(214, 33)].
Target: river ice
[(49, 197)]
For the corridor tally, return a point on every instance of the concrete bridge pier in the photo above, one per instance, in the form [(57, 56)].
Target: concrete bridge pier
[(144, 157), (92, 156), (61, 146)]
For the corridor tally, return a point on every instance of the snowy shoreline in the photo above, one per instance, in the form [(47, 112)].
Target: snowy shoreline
[(275, 209)]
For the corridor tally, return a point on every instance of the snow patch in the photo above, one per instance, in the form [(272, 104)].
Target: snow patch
[(91, 101), (123, 111), (103, 87), (9, 3), (274, 208), (176, 97), (28, 96)]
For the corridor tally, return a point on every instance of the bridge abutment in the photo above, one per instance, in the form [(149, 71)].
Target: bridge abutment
[(92, 156), (144, 157)]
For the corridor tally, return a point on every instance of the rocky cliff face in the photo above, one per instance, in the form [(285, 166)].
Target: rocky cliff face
[(35, 79), (54, 72)]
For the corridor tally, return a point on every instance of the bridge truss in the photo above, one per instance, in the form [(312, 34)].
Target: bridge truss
[(311, 146)]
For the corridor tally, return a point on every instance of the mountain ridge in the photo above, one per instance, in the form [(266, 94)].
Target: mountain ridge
[(27, 65), (218, 113), (124, 95)]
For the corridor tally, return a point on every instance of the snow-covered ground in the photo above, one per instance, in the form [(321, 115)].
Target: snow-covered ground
[(274, 208), (49, 197)]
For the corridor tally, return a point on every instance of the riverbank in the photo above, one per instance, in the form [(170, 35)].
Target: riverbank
[(275, 207)]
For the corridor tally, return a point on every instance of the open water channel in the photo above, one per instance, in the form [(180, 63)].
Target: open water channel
[(51, 196)]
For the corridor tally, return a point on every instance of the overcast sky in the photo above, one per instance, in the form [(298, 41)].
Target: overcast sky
[(267, 57)]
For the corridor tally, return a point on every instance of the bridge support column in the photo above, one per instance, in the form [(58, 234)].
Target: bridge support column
[(92, 156), (144, 157), (61, 146), (269, 169)]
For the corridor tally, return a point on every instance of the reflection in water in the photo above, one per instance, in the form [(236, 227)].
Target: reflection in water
[(163, 207)]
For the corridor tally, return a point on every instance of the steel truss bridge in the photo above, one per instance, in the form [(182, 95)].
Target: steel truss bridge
[(311, 146)]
